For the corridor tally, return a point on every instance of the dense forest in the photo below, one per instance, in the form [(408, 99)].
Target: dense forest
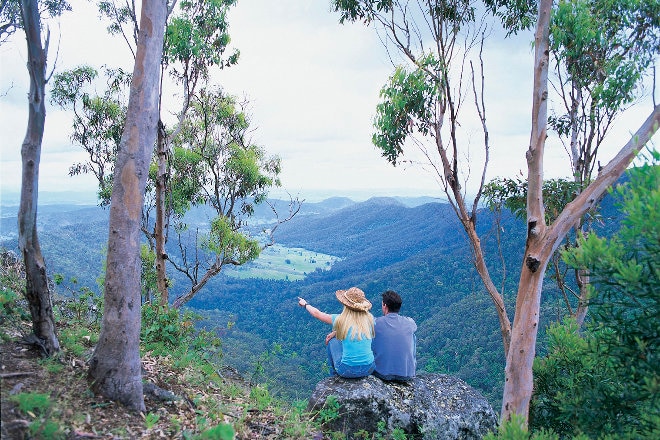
[(407, 245)]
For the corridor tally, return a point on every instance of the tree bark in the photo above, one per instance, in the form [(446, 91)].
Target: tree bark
[(37, 291), (115, 369), (542, 241), (160, 227), (518, 382)]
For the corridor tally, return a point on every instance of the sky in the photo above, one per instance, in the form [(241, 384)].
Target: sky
[(312, 85)]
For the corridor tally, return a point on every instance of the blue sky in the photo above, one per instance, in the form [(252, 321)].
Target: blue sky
[(313, 87)]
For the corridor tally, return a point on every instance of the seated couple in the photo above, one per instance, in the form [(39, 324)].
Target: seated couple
[(359, 345)]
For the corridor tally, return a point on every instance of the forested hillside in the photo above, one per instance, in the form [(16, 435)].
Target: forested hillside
[(382, 243)]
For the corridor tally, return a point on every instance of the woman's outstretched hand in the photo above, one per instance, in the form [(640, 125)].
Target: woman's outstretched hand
[(301, 302)]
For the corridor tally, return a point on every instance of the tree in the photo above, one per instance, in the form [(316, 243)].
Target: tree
[(97, 120), (228, 173), (543, 240), (195, 41), (421, 101), (605, 379), (115, 368), (599, 53), (427, 101), (37, 291), (10, 18)]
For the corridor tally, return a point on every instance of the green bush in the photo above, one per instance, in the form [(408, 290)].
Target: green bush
[(606, 381), (35, 403)]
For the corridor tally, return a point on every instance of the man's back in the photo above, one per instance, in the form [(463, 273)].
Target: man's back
[(394, 347)]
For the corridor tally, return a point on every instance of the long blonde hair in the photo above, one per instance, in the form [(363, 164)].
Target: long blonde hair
[(361, 322)]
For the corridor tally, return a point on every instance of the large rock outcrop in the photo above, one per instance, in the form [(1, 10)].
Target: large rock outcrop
[(432, 406)]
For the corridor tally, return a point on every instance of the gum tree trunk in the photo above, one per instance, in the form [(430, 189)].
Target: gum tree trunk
[(542, 240), (115, 369), (36, 287)]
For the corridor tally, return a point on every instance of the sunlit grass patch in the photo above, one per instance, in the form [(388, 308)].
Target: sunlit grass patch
[(281, 263)]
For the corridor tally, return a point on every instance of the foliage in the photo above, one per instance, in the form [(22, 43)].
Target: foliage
[(408, 100), (33, 402), (607, 381), (151, 419), (197, 37), (148, 273), (605, 46), (166, 329), (516, 15), (261, 397), (220, 168), (10, 14), (81, 304), (330, 410), (98, 120), (77, 410), (222, 431), (514, 429), (511, 193), (231, 245), (12, 284)]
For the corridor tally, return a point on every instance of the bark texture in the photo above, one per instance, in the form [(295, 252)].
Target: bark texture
[(161, 225), (518, 381), (115, 369), (37, 291)]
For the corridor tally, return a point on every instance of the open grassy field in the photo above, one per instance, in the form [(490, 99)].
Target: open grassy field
[(281, 263)]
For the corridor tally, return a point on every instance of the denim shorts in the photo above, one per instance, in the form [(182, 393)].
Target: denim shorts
[(340, 369)]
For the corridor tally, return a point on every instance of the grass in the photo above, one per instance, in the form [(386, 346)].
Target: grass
[(51, 399), (281, 263)]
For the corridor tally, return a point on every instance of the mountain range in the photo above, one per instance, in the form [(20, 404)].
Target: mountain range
[(413, 246)]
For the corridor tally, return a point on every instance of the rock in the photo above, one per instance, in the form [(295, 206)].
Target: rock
[(432, 406)]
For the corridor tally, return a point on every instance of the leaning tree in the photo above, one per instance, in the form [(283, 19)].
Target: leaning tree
[(26, 15)]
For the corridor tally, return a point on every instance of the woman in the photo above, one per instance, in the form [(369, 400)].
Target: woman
[(349, 344)]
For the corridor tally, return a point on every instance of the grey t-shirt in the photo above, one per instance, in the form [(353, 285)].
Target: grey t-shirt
[(394, 347)]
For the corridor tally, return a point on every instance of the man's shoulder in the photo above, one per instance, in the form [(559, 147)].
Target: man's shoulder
[(394, 317)]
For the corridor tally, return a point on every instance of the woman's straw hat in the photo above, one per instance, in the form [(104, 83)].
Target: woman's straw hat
[(354, 299)]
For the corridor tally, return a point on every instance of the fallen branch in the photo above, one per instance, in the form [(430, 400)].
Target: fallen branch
[(18, 374)]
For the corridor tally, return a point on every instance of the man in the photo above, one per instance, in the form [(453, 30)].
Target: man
[(394, 345)]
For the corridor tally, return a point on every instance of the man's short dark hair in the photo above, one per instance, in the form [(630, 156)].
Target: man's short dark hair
[(392, 300)]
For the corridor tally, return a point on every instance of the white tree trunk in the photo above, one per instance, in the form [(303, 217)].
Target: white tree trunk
[(115, 368)]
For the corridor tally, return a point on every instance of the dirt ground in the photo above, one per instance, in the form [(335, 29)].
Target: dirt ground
[(83, 415)]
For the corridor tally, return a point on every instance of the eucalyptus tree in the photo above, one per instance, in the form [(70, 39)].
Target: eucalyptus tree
[(98, 120), (196, 40), (115, 367), (426, 100), (229, 174), (10, 18), (27, 15), (599, 53), (421, 101)]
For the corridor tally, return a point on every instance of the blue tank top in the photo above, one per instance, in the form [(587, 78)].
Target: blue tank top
[(354, 351)]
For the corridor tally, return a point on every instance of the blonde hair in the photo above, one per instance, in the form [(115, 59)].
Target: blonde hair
[(362, 324)]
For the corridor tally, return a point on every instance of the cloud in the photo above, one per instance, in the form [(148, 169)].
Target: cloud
[(313, 85)]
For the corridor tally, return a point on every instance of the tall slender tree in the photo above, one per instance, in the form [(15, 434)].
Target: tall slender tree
[(542, 239), (230, 175), (115, 368), (37, 290)]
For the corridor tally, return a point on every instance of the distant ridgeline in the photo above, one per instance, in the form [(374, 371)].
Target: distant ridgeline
[(415, 248)]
